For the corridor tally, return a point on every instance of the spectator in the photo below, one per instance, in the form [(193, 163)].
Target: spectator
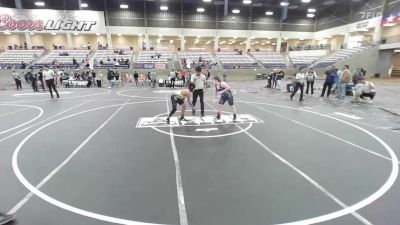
[(329, 81), (279, 77), (225, 74), (136, 77), (310, 77), (25, 46), (343, 82), (110, 77), (172, 78), (17, 80), (99, 79), (299, 83), (74, 62)]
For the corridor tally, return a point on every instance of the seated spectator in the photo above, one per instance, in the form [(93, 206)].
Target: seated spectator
[(101, 62)]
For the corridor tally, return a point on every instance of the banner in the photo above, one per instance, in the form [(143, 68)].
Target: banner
[(48, 21)]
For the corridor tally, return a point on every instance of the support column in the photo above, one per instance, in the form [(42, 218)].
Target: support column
[(346, 39), (182, 43), (216, 43), (378, 29), (69, 41), (278, 44), (147, 41), (248, 43), (28, 40), (109, 40), (140, 43)]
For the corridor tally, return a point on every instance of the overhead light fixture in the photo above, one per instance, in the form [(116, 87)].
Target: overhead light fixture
[(158, 41), (6, 32), (274, 43), (285, 38), (201, 10), (198, 36), (52, 33), (206, 0), (76, 33), (284, 3), (39, 3), (160, 36), (98, 34), (268, 42), (235, 11), (163, 7), (123, 6), (269, 13), (310, 15), (311, 10), (171, 41), (84, 5), (31, 33), (119, 35), (235, 38), (301, 39), (247, 2), (305, 1)]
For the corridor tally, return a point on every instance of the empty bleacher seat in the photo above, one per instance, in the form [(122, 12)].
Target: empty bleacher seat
[(231, 60), (339, 56), (270, 59), (306, 58), (65, 61), (193, 56), (108, 56), (154, 56), (14, 58)]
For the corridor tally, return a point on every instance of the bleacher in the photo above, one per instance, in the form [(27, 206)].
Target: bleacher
[(306, 58), (14, 58), (188, 57), (154, 56), (108, 56), (63, 61), (233, 60), (270, 59), (339, 56)]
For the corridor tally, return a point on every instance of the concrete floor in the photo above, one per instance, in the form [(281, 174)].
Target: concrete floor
[(307, 163)]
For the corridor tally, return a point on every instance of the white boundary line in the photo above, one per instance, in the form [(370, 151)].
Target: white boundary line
[(56, 202), (346, 209), (23, 124), (179, 187), (326, 133)]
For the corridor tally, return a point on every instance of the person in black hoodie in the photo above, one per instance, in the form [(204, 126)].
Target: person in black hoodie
[(110, 77), (40, 77), (136, 76)]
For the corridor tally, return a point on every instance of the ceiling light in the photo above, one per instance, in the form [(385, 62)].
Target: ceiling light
[(39, 3), (6, 32), (310, 15), (84, 5), (311, 10), (119, 35), (257, 42), (246, 2), (98, 34), (284, 3), (301, 39), (269, 13), (52, 33), (273, 43), (235, 11), (285, 38), (268, 42), (200, 10), (164, 7), (305, 1), (198, 36), (160, 36), (123, 6), (158, 41), (262, 43), (171, 41), (31, 33), (206, 0), (76, 33)]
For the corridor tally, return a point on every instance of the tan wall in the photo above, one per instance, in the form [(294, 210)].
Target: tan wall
[(395, 61), (336, 43), (125, 41), (59, 40), (270, 48), (233, 46), (391, 31), (7, 40), (209, 47)]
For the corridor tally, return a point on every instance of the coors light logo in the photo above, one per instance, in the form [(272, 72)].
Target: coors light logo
[(20, 24)]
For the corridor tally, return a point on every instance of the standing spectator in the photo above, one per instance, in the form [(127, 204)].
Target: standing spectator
[(99, 79), (279, 77), (199, 81), (110, 77), (33, 80), (136, 77), (40, 77), (154, 78), (17, 79), (310, 77), (343, 82), (273, 78), (299, 83), (225, 74), (49, 77), (173, 77), (25, 46), (329, 81)]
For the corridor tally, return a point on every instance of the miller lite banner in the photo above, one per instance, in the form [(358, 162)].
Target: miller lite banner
[(48, 21)]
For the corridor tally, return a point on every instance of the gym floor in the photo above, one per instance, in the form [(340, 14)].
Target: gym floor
[(83, 160)]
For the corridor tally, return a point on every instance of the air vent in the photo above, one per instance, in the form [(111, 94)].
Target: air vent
[(219, 2)]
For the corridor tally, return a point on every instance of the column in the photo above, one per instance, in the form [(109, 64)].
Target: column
[(182, 43), (248, 43), (376, 38), (216, 43), (28, 40), (278, 44), (147, 41), (69, 41), (346, 39), (109, 40), (140, 43)]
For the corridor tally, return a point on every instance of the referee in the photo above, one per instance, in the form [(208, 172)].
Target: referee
[(49, 77), (199, 81)]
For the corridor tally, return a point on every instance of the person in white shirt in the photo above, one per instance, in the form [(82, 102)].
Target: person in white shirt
[(17, 79), (299, 83), (199, 82), (49, 77), (172, 78), (310, 77)]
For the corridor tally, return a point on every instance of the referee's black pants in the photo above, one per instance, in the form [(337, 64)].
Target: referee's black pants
[(199, 93)]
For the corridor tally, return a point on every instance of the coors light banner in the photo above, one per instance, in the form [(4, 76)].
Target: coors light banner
[(45, 20)]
